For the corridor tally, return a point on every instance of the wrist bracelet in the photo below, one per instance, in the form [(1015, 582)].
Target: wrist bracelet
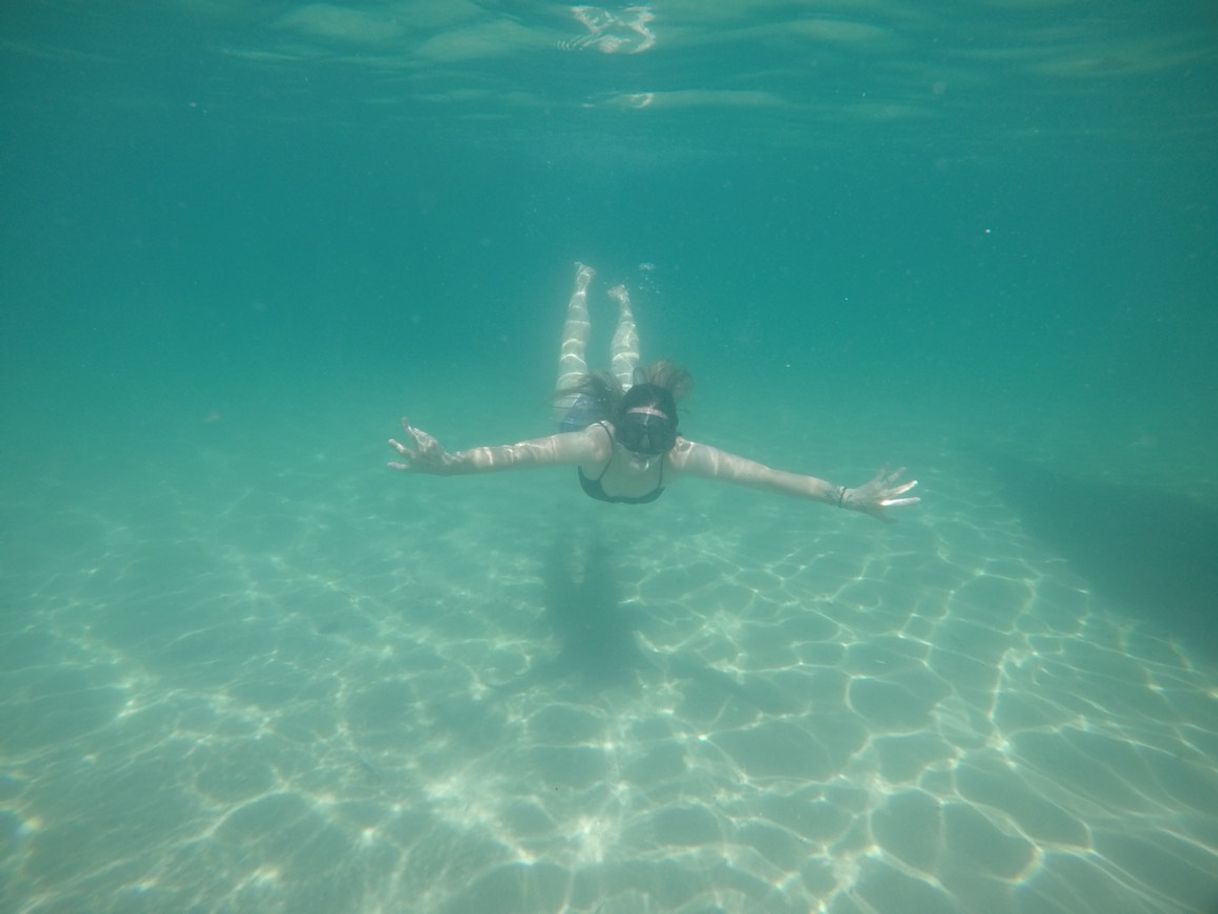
[(841, 496)]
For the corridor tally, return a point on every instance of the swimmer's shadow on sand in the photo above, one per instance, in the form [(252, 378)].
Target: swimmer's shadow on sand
[(597, 633), (583, 608), (1150, 553)]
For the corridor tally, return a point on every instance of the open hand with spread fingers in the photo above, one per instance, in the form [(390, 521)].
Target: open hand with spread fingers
[(883, 491), (422, 455)]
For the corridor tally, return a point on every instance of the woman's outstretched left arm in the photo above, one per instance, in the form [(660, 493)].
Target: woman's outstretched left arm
[(884, 491)]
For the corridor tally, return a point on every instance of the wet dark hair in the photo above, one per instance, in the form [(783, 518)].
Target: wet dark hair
[(669, 375), (653, 396), (600, 389), (657, 387)]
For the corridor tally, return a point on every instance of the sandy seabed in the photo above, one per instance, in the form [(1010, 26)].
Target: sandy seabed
[(329, 693)]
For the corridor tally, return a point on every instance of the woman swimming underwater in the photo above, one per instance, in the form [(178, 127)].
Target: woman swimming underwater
[(620, 429)]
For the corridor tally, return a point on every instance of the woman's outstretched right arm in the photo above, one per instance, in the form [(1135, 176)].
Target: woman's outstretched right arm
[(423, 454)]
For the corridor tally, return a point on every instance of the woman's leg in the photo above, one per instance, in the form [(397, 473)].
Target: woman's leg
[(572, 363), (625, 353)]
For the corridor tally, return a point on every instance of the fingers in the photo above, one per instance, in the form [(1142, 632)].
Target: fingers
[(421, 439), (423, 442), (886, 478), (419, 453), (409, 455), (884, 492), (891, 482)]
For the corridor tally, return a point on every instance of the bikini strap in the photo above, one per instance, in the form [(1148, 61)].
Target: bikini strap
[(605, 468)]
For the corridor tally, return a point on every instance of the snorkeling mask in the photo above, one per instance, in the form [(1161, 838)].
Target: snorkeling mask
[(648, 433)]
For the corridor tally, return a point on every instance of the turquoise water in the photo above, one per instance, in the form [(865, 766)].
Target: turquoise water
[(244, 668)]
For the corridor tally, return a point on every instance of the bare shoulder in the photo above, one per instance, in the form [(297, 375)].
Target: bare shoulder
[(593, 444)]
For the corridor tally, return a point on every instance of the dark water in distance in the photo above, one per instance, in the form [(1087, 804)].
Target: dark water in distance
[(238, 240)]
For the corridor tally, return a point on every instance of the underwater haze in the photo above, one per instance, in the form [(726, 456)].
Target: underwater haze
[(246, 668)]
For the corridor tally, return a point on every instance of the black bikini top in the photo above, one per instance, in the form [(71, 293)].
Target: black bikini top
[(594, 489)]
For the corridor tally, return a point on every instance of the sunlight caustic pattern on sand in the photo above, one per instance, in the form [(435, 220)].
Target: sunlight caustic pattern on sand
[(430, 703)]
